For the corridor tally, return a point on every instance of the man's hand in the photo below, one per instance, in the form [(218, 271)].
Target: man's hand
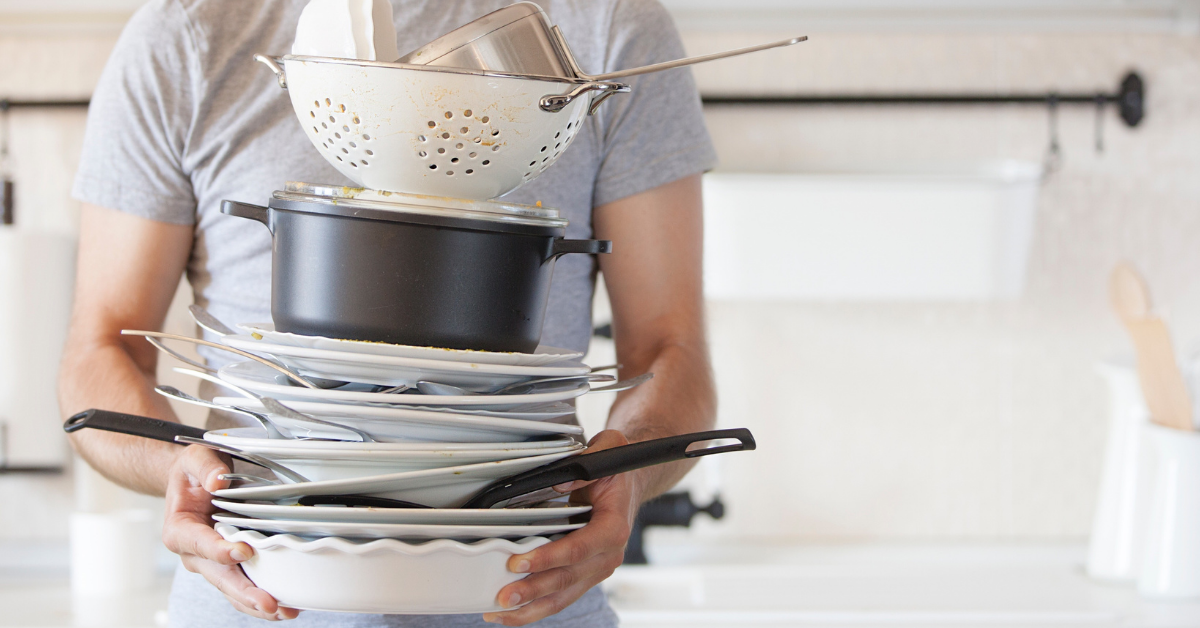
[(562, 571), (188, 531)]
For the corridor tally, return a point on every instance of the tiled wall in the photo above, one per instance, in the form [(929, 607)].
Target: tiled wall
[(885, 420)]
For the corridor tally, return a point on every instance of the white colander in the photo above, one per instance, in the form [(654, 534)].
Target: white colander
[(435, 131)]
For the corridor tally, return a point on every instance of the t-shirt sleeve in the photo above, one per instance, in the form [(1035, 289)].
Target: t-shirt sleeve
[(655, 134), (139, 120)]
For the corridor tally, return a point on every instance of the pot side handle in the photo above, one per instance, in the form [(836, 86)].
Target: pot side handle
[(247, 210), (587, 247)]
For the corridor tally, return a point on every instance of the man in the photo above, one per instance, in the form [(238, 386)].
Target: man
[(182, 119)]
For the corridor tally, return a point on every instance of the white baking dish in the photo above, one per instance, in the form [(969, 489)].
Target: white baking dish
[(381, 576)]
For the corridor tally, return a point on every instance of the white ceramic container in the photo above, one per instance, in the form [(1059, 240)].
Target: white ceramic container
[(1171, 560), (1126, 483), (381, 576)]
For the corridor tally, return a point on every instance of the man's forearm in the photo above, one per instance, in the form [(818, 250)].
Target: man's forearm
[(680, 399), (103, 375)]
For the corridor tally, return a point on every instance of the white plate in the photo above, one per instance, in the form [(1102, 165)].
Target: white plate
[(395, 370), (448, 487), (261, 379), (447, 516), (541, 357), (395, 530), (381, 576), (406, 423), (324, 461), (254, 440)]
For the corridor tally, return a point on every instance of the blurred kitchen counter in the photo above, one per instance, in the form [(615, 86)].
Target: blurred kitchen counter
[(861, 585), (777, 585)]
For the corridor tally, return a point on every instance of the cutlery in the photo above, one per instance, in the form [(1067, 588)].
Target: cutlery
[(272, 406), (1162, 383), (436, 388)]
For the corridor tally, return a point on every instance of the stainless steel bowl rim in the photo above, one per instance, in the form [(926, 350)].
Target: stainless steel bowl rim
[(475, 29), (435, 68)]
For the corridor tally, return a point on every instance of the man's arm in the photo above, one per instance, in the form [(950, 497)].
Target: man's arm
[(654, 280), (127, 273)]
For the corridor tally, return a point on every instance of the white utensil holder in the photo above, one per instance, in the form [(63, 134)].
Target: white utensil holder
[(1126, 485), (112, 552), (1171, 560)]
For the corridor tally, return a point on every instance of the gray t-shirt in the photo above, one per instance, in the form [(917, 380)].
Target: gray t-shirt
[(182, 119)]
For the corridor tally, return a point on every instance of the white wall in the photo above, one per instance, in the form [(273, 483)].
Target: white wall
[(884, 420)]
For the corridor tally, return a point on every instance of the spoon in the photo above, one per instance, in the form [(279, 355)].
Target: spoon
[(273, 466), (212, 324), (273, 406), (436, 388), (622, 385), (272, 430), (242, 477)]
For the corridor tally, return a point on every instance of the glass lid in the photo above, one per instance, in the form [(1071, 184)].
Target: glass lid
[(399, 201)]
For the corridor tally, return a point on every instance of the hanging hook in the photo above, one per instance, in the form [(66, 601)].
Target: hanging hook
[(1101, 103), (1053, 159), (6, 184)]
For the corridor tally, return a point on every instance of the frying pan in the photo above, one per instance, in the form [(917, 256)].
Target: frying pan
[(503, 492)]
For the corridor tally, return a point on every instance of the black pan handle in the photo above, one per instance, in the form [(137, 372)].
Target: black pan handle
[(587, 247), (356, 500), (247, 210), (610, 462), (132, 424)]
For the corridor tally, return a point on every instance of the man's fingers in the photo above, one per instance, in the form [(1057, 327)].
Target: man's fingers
[(541, 608), (605, 532), (187, 533), (232, 581), (201, 466), (550, 582)]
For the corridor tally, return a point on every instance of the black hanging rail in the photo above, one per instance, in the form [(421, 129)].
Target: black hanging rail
[(9, 104), (1130, 99)]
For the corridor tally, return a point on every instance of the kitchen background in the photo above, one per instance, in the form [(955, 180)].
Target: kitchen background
[(900, 417)]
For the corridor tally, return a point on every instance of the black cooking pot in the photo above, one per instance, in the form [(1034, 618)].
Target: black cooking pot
[(412, 274)]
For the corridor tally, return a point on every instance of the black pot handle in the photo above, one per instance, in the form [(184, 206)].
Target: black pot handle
[(587, 247), (247, 210), (610, 462), (132, 424)]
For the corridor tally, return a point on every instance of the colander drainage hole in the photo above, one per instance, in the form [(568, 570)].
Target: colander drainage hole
[(445, 136), (364, 162), (470, 172), (557, 134), (316, 103), (422, 154), (353, 164), (441, 151), (433, 166), (459, 146), (353, 145), (331, 119), (423, 138), (432, 124), (366, 137), (465, 130), (487, 162), (345, 128), (467, 113), (356, 120), (370, 152), (338, 135), (324, 126), (478, 140), (541, 151), (495, 132), (495, 149), (449, 115), (484, 119), (473, 155), (342, 108), (454, 160), (533, 163), (328, 102), (313, 114)]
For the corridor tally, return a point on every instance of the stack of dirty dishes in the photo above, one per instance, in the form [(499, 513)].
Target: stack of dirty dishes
[(381, 447)]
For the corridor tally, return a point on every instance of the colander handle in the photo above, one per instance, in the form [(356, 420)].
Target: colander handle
[(273, 64), (556, 103)]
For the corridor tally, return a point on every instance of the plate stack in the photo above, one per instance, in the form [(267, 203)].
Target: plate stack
[(380, 438)]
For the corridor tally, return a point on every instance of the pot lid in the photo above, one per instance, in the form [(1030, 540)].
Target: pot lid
[(364, 198), (471, 31)]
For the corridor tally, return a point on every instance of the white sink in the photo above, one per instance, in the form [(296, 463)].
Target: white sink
[(877, 585)]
